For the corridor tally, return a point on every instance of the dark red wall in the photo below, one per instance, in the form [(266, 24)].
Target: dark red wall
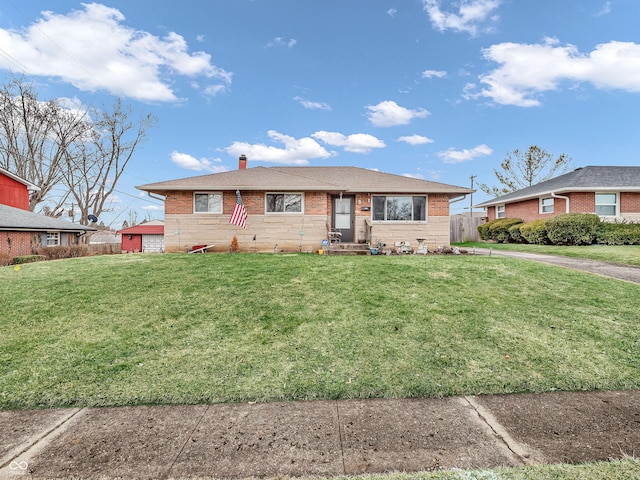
[(133, 245), (13, 193)]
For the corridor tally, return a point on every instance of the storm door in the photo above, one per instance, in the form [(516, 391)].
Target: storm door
[(343, 216)]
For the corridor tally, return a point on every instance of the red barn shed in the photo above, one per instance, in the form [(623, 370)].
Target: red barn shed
[(146, 237)]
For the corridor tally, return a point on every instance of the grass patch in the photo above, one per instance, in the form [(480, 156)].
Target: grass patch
[(624, 254), (187, 329)]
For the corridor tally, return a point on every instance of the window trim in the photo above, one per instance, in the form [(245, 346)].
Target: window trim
[(208, 212), (542, 205), (57, 237), (426, 208), (504, 210), (266, 204), (616, 205)]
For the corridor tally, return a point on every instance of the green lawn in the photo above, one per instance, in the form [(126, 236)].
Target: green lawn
[(186, 329), (626, 254)]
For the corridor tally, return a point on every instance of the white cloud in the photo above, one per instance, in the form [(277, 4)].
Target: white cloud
[(312, 105), (392, 12), (458, 156), (470, 15), (434, 73), (153, 208), (414, 175), (94, 50), (184, 160), (389, 114), (415, 140), (356, 143), (605, 10), (528, 70), (282, 42), (295, 152)]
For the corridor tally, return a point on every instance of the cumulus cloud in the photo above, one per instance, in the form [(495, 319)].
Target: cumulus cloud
[(470, 16), (415, 140), (184, 160), (95, 50), (282, 42), (526, 70), (452, 156), (434, 73), (312, 105), (389, 114), (356, 143), (296, 151)]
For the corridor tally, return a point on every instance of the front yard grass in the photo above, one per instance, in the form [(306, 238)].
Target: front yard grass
[(187, 329), (625, 254)]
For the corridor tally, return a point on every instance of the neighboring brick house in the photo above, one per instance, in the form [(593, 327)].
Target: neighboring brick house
[(613, 193), (23, 232), (294, 207), (146, 237)]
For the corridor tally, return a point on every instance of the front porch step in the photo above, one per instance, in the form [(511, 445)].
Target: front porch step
[(347, 249)]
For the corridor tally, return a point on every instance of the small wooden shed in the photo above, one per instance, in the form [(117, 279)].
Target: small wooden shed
[(146, 237)]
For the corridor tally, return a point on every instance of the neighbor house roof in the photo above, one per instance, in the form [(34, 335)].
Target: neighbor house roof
[(149, 228), (17, 219), (586, 179), (29, 185), (330, 179)]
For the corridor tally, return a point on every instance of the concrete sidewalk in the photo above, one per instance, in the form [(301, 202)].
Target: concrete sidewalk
[(323, 438), (629, 273)]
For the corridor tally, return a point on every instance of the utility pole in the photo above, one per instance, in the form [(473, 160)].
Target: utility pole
[(471, 197)]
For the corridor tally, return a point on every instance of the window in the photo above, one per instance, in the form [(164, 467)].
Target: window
[(546, 205), (208, 203), (53, 239), (607, 204), (499, 211), (399, 208), (283, 203)]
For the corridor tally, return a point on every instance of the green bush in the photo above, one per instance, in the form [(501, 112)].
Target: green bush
[(28, 259), (618, 233), (573, 228), (515, 234), (483, 230), (535, 232), (499, 229)]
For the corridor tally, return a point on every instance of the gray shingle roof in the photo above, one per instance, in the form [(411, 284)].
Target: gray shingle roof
[(16, 219), (586, 179), (330, 179)]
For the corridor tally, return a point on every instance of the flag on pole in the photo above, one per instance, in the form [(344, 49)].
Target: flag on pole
[(239, 215)]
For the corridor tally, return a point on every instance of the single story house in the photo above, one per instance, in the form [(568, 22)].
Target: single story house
[(23, 232), (146, 237), (295, 208), (613, 193)]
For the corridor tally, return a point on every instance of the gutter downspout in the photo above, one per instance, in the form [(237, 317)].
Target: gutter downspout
[(553, 195), (150, 194)]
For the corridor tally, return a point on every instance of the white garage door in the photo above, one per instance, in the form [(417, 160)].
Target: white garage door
[(153, 243)]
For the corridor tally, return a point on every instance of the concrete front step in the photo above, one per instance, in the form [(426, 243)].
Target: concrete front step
[(347, 249)]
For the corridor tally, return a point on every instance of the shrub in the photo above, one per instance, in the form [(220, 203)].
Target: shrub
[(499, 229), (618, 233), (573, 228), (483, 230), (515, 234), (28, 259), (5, 260), (534, 232)]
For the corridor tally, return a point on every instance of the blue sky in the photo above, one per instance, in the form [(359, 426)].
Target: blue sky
[(436, 89)]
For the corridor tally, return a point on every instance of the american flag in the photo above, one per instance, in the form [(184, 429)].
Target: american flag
[(239, 215)]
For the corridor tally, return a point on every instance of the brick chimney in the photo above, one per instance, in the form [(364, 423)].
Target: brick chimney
[(242, 162)]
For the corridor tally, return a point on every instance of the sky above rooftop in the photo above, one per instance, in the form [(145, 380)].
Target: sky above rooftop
[(435, 89)]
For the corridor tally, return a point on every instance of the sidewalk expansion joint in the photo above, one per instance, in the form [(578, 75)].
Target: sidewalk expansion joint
[(520, 453), (195, 427), (344, 465)]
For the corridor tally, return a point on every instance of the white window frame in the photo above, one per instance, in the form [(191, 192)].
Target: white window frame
[(616, 204), (53, 239), (500, 211), (284, 212), (385, 220), (208, 211), (543, 206)]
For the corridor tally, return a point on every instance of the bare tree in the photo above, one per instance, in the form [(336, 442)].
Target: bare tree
[(526, 168), (35, 136), (96, 162)]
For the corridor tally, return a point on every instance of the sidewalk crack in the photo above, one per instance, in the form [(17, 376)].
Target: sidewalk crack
[(344, 466), (193, 430)]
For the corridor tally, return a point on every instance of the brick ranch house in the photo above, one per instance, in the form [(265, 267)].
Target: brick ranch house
[(296, 207), (613, 193), (23, 232)]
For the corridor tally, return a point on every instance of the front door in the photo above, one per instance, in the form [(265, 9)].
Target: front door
[(343, 216)]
